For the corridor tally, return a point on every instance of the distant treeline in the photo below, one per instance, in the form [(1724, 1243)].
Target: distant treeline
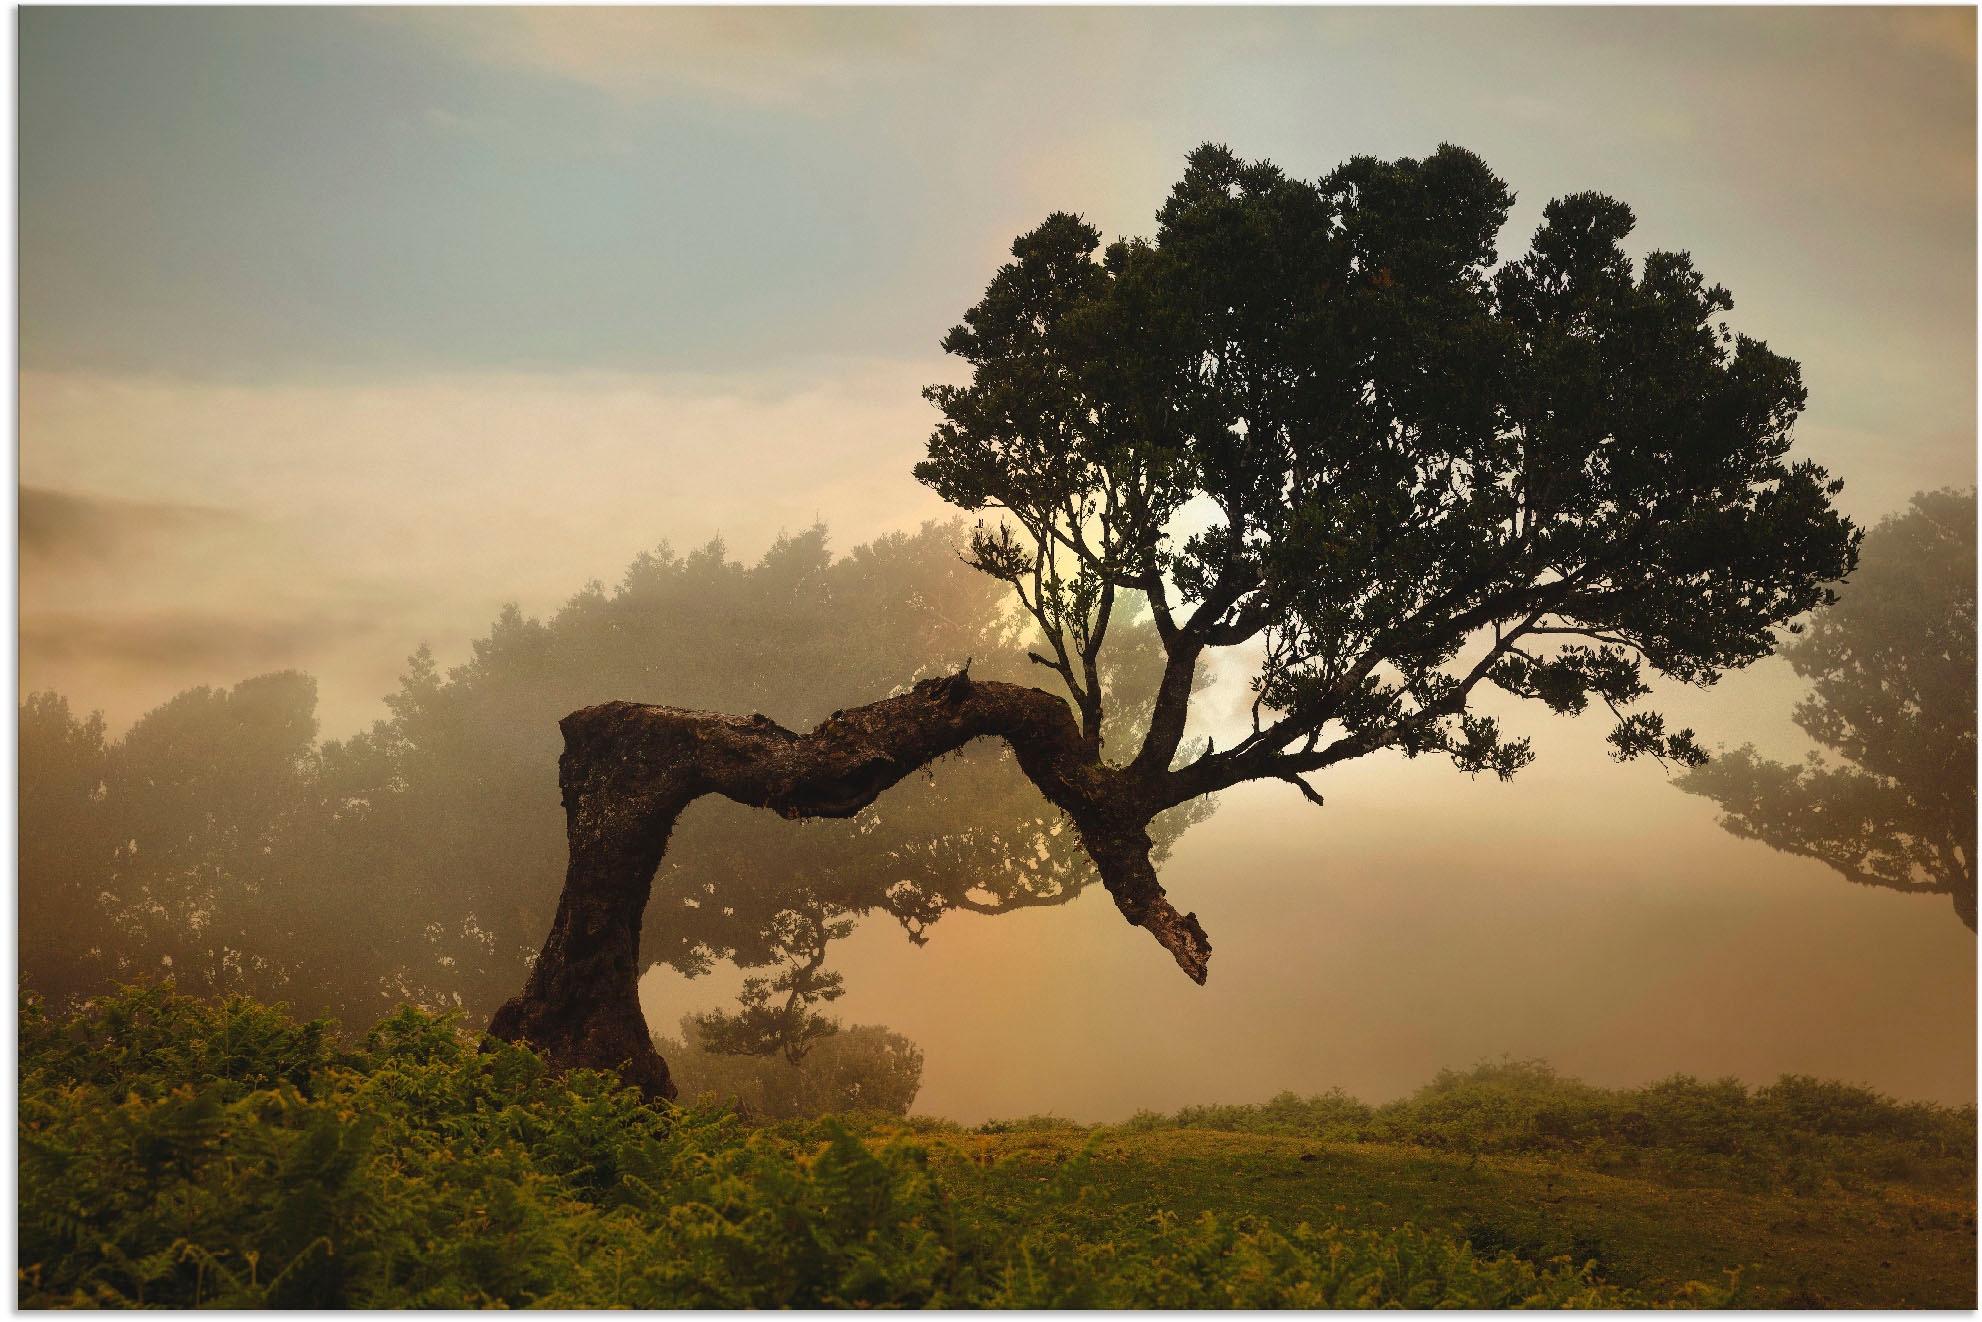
[(219, 843)]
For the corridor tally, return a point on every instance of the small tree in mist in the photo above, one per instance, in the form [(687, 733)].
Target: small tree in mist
[(1313, 421), (1892, 699), (864, 1067)]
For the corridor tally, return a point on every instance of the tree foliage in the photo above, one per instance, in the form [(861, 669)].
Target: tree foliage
[(1320, 421), (1891, 665)]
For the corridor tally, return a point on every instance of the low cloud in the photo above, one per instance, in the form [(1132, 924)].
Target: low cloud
[(208, 641), (336, 528), (66, 528)]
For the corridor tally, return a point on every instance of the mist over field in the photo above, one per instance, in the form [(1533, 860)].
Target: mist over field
[(342, 332)]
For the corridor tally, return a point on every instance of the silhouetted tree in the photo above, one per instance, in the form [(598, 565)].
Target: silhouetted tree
[(1308, 419), (1892, 673)]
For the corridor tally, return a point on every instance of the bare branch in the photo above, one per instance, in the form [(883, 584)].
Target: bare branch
[(1307, 790)]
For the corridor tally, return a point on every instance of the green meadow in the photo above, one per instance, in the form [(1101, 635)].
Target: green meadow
[(182, 1153)]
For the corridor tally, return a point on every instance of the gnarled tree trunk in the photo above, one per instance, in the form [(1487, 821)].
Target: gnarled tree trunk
[(628, 771)]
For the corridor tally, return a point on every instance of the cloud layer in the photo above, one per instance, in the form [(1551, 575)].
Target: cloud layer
[(346, 525)]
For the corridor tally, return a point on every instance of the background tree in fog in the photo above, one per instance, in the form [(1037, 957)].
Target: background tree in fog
[(463, 834), (65, 933), (1315, 421), (1891, 666), (170, 851), (217, 844)]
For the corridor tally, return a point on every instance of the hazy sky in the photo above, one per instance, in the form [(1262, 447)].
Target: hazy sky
[(339, 328)]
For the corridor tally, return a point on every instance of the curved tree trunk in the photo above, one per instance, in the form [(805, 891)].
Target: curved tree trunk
[(628, 771)]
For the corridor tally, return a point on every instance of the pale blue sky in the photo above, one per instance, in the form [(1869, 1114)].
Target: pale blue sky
[(255, 193)]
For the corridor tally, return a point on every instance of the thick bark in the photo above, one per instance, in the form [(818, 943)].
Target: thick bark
[(629, 770)]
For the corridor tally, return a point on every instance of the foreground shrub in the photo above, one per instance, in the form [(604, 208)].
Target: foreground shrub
[(1244, 1263)]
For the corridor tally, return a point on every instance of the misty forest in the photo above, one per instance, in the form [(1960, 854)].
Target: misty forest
[(312, 1019)]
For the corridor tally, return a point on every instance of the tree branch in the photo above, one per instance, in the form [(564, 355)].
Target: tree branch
[(1308, 791), (628, 772)]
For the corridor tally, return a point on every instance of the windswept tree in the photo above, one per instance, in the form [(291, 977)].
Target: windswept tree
[(216, 843), (443, 825), (1891, 803), (1313, 424)]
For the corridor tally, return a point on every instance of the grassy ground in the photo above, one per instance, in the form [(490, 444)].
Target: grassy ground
[(1877, 1245), (180, 1153)]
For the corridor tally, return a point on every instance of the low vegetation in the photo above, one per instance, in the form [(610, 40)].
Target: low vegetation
[(864, 1067), (1799, 1134), (178, 1152), (1818, 1194)]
